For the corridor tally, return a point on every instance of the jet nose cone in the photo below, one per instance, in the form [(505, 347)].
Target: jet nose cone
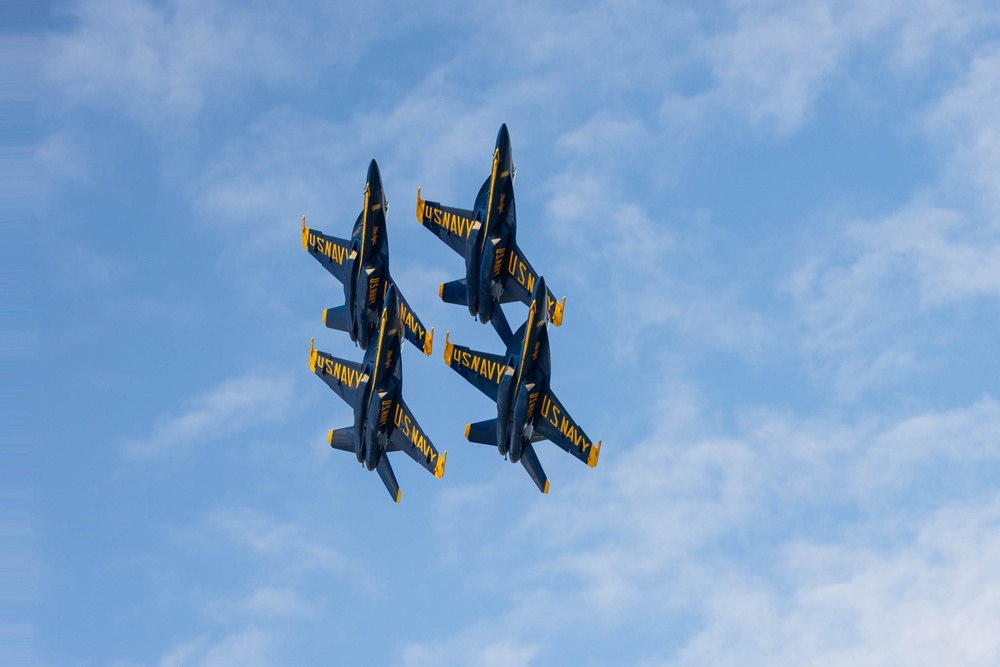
[(503, 143), (539, 296), (539, 287), (375, 181), (373, 172)]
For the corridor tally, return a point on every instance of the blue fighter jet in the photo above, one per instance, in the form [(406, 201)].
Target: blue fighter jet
[(527, 410), (382, 421), (496, 271), (362, 265)]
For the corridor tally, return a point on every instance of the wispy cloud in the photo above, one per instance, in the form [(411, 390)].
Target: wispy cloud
[(482, 650), (666, 529), (232, 406), (962, 123), (246, 648), (645, 271), (161, 63), (774, 63), (282, 542), (925, 601), (771, 62), (865, 293), (287, 575)]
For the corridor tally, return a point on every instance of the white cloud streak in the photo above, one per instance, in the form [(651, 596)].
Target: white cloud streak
[(231, 407), (928, 601), (664, 532), (248, 648), (160, 64)]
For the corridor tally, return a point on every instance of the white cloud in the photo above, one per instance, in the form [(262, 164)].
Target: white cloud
[(264, 603), (868, 297), (868, 294), (930, 600), (773, 64), (229, 408), (243, 649), (282, 542), (482, 650), (791, 542), (285, 574), (161, 63), (645, 274), (964, 123)]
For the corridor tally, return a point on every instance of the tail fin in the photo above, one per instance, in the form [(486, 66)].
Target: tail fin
[(342, 439), (454, 292), (388, 478), (529, 459), (484, 432), (502, 327), (336, 318)]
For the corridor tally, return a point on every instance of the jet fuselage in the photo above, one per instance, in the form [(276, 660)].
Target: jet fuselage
[(525, 380), (379, 392), (367, 264), (493, 232)]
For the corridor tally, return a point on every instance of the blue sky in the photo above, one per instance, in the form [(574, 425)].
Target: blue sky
[(777, 225)]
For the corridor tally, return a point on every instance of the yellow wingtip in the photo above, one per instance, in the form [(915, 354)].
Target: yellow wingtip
[(448, 348), (429, 342), (305, 234), (546, 489), (439, 466), (312, 355), (324, 316), (420, 206), (558, 317), (441, 291), (595, 452), (468, 427), (399, 495), (329, 438)]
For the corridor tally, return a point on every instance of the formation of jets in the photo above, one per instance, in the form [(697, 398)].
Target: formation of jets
[(377, 318)]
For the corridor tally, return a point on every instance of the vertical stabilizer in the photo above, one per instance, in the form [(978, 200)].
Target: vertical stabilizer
[(530, 462), (388, 478)]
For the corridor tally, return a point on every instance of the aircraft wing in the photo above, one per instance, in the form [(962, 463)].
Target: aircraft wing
[(342, 375), (481, 369), (556, 425), (329, 251), (407, 436), (451, 225), (416, 332), (520, 284)]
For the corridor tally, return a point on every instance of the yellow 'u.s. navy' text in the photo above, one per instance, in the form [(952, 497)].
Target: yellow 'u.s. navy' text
[(409, 430), (321, 246), (452, 222)]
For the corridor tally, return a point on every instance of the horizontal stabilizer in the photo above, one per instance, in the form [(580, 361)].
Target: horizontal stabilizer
[(530, 462), (342, 438), (484, 432), (501, 326), (388, 478), (454, 292), (336, 318)]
